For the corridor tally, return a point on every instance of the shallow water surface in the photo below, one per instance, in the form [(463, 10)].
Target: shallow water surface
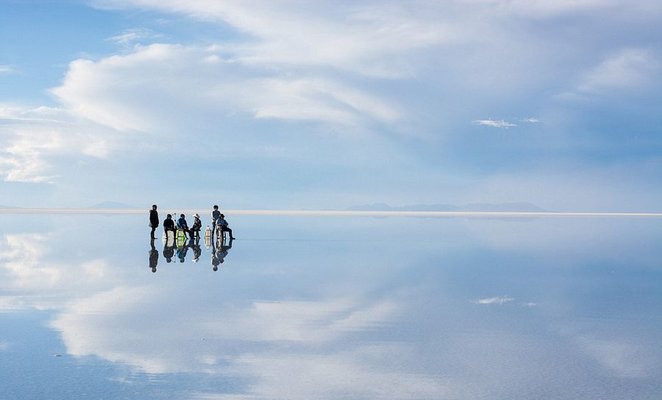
[(332, 308)]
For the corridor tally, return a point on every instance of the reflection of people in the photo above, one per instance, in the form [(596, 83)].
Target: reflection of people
[(153, 220), (197, 225), (169, 225), (194, 244), (153, 255), (181, 252), (214, 216), (169, 248), (222, 226), (214, 259), (181, 224), (220, 254)]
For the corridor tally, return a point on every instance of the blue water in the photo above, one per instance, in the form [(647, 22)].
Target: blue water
[(333, 308)]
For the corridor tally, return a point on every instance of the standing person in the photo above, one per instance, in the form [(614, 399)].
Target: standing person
[(153, 220), (214, 216)]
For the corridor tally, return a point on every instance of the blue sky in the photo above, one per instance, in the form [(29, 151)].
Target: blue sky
[(325, 104)]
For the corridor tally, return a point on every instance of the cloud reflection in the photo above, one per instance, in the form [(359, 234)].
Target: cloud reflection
[(494, 300), (302, 319)]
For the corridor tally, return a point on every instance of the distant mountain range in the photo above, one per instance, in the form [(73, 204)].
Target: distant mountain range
[(507, 207)]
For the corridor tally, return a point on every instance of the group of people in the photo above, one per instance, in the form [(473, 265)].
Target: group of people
[(219, 225)]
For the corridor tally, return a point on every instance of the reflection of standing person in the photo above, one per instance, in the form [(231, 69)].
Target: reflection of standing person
[(153, 256), (153, 220), (214, 216)]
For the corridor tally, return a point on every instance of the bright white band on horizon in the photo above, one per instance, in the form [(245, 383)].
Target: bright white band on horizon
[(337, 213)]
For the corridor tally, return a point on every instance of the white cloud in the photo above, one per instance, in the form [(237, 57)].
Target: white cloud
[(621, 359), (304, 321), (23, 270), (166, 87), (6, 69), (494, 300), (531, 120), (494, 123), (132, 36), (628, 69), (558, 8), (313, 323), (420, 68), (369, 38), (34, 138), (292, 349), (363, 372)]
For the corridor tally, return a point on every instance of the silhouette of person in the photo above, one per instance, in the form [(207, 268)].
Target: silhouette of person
[(194, 244), (153, 219), (214, 259), (182, 224), (153, 256), (197, 225), (222, 226), (214, 216), (222, 252), (169, 225)]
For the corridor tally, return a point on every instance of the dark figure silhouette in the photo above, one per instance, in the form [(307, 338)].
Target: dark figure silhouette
[(194, 244), (153, 220), (169, 225), (215, 261), (214, 216), (169, 248), (195, 228), (181, 224), (153, 256), (222, 226), (219, 255)]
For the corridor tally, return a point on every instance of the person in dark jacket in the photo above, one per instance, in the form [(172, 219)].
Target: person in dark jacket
[(169, 225), (153, 220), (214, 216), (222, 226), (182, 224)]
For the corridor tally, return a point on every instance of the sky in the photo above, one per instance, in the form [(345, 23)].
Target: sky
[(330, 104)]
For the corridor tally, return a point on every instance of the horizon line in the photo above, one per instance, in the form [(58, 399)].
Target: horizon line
[(440, 214)]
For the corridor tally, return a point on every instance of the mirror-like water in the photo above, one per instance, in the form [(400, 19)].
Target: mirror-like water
[(332, 308)]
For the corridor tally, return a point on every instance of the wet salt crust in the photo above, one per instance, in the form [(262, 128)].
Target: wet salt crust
[(332, 307)]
